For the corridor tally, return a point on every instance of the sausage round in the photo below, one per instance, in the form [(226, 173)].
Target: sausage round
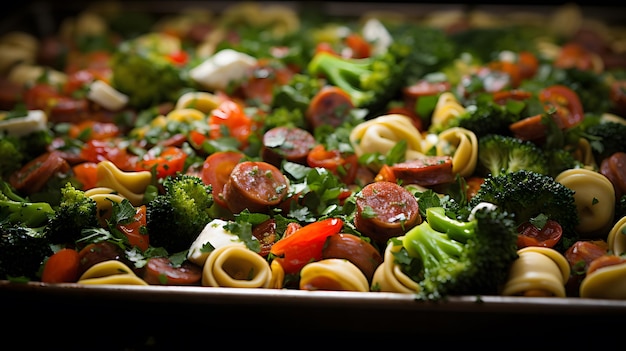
[(256, 186), (287, 143), (385, 210)]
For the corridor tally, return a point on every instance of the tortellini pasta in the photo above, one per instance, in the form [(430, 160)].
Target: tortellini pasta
[(446, 109), (130, 185), (538, 272), (381, 134), (104, 198), (236, 266), (608, 282), (389, 277), (334, 274), (199, 100), (110, 272), (617, 237), (595, 200), (462, 145)]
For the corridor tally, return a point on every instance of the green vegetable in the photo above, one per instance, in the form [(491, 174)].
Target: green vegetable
[(450, 256), (75, 212), (606, 138), (176, 216), (529, 194), (17, 210), (371, 82), (15, 151), (145, 75), (499, 154), (22, 251)]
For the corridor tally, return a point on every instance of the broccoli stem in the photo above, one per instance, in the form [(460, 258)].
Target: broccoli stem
[(456, 230), (18, 210), (433, 247), (344, 73)]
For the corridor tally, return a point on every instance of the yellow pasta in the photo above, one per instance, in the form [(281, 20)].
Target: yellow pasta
[(584, 154), (538, 271), (343, 275), (605, 283), (381, 134), (462, 145), (617, 237), (446, 109), (595, 200), (388, 277), (110, 272), (278, 275), (200, 100), (131, 185), (236, 266), (104, 198), (185, 115)]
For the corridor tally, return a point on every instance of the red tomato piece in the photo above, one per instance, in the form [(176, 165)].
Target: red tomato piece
[(216, 169), (87, 174), (62, 267), (530, 235), (90, 129), (168, 161), (344, 166), (229, 119), (135, 231), (569, 109), (305, 245)]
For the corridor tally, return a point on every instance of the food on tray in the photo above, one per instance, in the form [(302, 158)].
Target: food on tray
[(434, 154)]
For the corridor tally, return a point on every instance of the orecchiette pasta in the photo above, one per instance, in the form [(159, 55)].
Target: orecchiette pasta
[(110, 272), (381, 134), (236, 266), (617, 237), (595, 200), (339, 274), (388, 277), (538, 271), (447, 108), (131, 185), (462, 145)]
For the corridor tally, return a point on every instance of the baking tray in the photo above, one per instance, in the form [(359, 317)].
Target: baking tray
[(370, 316)]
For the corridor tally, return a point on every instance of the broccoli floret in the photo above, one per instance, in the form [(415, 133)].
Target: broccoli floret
[(20, 211), (454, 257), (499, 154), (371, 82), (147, 76), (22, 251), (529, 194), (559, 160), (176, 216), (296, 95), (10, 157), (75, 212), (606, 138)]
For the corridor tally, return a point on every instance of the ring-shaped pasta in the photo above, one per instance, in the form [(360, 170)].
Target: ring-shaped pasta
[(236, 266), (278, 275), (104, 198), (617, 237), (185, 115), (131, 185), (340, 274), (608, 282), (381, 134), (200, 100), (462, 145), (538, 271), (584, 154), (594, 197), (446, 109), (110, 272), (388, 277)]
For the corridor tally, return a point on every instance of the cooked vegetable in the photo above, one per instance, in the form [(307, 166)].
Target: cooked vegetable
[(22, 251), (15, 209), (76, 212), (449, 256), (176, 216), (499, 154), (529, 194)]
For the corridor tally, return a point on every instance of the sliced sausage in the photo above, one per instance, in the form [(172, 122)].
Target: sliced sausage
[(330, 106), (354, 249), (161, 271), (287, 143), (256, 186), (385, 210), (429, 171), (614, 168)]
